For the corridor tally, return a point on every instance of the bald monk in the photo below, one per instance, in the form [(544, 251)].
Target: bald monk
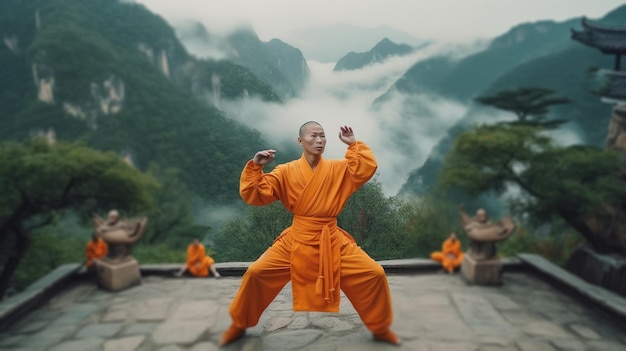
[(198, 263), (314, 253), (96, 249), (450, 255)]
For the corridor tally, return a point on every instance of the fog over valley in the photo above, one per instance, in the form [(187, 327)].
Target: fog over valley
[(400, 139)]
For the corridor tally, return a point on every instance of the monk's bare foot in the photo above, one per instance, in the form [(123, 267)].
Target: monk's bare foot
[(388, 336), (233, 333)]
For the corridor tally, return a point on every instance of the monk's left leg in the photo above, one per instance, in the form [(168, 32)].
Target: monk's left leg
[(364, 282)]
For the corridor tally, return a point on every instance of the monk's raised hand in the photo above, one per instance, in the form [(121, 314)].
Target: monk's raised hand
[(264, 157), (347, 135)]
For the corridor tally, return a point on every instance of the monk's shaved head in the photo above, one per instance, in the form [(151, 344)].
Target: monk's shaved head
[(306, 125)]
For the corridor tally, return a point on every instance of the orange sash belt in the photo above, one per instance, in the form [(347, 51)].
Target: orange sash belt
[(319, 231)]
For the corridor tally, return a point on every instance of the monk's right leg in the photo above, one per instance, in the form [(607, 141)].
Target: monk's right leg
[(263, 280)]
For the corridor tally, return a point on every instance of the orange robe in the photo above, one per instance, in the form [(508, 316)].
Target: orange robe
[(96, 250), (314, 253), (198, 262), (449, 247)]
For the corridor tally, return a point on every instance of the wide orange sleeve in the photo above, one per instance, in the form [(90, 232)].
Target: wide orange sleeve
[(259, 188), (362, 164)]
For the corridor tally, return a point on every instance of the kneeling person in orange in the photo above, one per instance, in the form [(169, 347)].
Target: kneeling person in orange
[(96, 249), (450, 255), (198, 263), (314, 253)]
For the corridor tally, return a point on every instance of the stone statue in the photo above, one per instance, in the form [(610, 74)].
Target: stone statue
[(481, 264), (484, 234), (119, 233), (119, 269)]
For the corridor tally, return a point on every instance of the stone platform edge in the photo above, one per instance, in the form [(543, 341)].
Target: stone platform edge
[(38, 293), (605, 299)]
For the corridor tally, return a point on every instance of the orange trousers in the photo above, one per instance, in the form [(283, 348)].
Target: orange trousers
[(449, 264), (363, 281)]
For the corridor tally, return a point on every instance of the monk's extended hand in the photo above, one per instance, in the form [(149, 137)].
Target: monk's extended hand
[(347, 135), (264, 157)]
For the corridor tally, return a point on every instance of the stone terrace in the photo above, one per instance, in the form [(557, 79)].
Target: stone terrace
[(431, 312)]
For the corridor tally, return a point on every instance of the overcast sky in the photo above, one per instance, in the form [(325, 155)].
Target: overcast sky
[(424, 19), (401, 140)]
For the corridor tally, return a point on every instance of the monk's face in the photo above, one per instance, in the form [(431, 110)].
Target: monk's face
[(452, 236), (313, 139)]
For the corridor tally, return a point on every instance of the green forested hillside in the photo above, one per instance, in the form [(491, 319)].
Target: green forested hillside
[(464, 79), (564, 69), (115, 76)]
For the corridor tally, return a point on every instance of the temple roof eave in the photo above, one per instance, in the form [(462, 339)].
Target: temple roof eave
[(608, 41), (600, 27)]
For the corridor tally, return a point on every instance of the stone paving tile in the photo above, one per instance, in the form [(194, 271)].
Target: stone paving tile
[(534, 345), (605, 346), (140, 329), (129, 343), (99, 330), (585, 331), (79, 345), (178, 332), (431, 312)]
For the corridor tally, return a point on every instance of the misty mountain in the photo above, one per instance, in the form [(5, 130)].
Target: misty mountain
[(566, 70), (279, 64), (384, 49), (464, 79), (115, 76), (330, 43)]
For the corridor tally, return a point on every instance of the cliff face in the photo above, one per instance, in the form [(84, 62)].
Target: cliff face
[(115, 76), (275, 62)]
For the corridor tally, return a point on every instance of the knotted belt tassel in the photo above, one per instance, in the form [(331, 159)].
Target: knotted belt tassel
[(325, 283)]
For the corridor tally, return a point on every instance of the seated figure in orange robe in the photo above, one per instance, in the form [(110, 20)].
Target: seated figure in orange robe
[(198, 263), (450, 255), (96, 249), (314, 253)]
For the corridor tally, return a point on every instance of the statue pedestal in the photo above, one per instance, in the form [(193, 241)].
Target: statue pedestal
[(116, 276), (483, 272)]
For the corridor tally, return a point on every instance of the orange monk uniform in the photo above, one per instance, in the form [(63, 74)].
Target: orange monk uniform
[(96, 250), (314, 253), (198, 262), (449, 247)]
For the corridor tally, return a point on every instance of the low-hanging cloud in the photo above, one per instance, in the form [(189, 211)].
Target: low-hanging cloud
[(401, 131)]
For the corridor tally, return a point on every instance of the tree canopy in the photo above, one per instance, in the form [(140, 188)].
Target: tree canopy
[(530, 105), (568, 182), (40, 178)]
